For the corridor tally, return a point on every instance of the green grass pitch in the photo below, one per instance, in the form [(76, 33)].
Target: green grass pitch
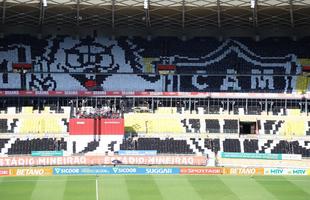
[(156, 187)]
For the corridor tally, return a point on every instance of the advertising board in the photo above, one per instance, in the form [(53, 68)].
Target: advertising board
[(266, 156), (101, 160), (46, 153), (244, 171), (291, 156), (138, 152), (5, 172), (100, 170), (112, 126), (285, 171), (225, 95), (301, 172), (198, 171), (33, 171), (79, 126), (156, 170), (113, 170)]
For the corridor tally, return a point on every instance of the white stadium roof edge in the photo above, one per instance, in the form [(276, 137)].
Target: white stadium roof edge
[(262, 18)]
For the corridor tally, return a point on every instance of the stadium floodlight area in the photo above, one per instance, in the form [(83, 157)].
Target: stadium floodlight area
[(253, 3), (45, 3), (200, 18), (146, 4)]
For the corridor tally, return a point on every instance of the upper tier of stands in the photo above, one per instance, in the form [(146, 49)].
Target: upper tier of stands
[(202, 64)]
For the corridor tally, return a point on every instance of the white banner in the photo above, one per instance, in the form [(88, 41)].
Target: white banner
[(291, 156)]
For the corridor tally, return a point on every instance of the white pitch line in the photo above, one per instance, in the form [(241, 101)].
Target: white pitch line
[(97, 192)]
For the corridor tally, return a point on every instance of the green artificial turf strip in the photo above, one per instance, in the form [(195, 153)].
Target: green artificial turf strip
[(16, 188), (151, 187), (179, 188), (211, 187), (80, 188), (247, 188), (113, 187), (142, 187), (298, 181), (283, 188), (49, 188)]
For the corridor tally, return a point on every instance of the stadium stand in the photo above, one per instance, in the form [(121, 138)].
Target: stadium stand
[(161, 120), (212, 126), (3, 142), (269, 114), (162, 145), (91, 146), (94, 88), (38, 144), (97, 63)]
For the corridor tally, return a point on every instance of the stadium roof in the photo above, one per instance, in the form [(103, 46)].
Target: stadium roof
[(180, 17)]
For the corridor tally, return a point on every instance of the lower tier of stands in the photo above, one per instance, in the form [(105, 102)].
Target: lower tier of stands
[(90, 145)]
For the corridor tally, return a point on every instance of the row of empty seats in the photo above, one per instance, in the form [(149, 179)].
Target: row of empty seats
[(175, 123), (27, 120), (292, 126), (35, 124), (182, 107), (157, 123), (44, 144), (169, 145), (229, 145), (36, 109)]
